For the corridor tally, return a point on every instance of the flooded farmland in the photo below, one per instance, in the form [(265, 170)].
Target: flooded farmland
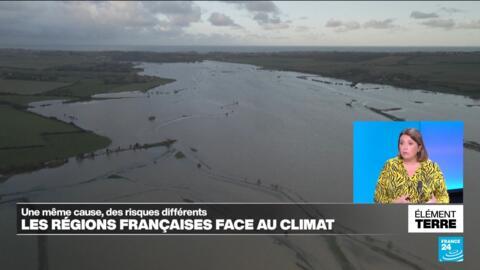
[(235, 133)]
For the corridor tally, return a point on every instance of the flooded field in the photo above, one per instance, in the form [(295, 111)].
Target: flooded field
[(235, 133)]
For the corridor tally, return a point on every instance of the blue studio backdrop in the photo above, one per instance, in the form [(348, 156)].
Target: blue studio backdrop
[(376, 142)]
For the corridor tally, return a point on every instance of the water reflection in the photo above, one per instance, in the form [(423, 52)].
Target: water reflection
[(241, 134)]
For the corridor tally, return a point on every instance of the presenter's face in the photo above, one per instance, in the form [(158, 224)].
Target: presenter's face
[(408, 148)]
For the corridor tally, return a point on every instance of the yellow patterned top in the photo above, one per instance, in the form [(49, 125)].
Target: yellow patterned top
[(395, 182)]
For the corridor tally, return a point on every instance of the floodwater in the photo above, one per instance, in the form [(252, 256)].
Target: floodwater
[(247, 135)]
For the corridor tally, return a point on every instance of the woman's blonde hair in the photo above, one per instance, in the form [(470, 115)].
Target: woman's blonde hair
[(416, 136)]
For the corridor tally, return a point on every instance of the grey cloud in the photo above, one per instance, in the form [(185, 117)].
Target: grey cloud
[(345, 26), (270, 22), (184, 21), (450, 10), (256, 6), (340, 26), (91, 22), (470, 25), (170, 7), (179, 13), (385, 24), (301, 28), (333, 23), (440, 23), (261, 6), (350, 26), (265, 13), (276, 26), (423, 15), (261, 18), (219, 19), (61, 20)]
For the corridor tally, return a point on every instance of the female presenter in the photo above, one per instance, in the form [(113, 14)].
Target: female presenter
[(411, 177)]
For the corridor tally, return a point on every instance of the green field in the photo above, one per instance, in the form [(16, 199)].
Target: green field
[(40, 60), (22, 101), (24, 87), (455, 72), (39, 140), (27, 127), (89, 87), (29, 141)]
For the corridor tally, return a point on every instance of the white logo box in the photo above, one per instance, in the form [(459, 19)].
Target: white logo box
[(434, 214)]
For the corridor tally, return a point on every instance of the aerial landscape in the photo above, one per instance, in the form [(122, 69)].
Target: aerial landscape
[(241, 114)]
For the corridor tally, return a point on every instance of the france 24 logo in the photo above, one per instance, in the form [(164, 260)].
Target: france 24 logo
[(450, 249)]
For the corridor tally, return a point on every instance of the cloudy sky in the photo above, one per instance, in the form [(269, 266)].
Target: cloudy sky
[(264, 23)]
